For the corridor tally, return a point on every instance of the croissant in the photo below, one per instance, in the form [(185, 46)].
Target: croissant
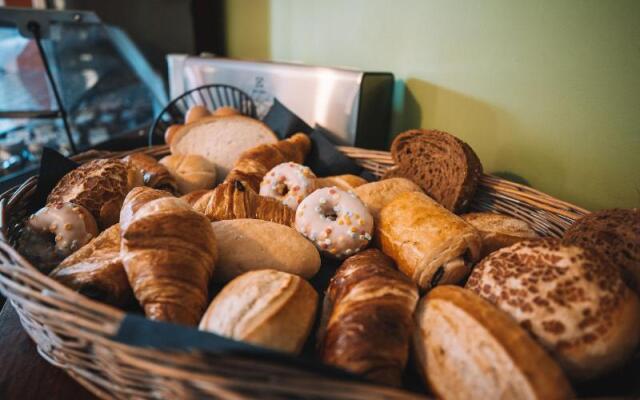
[(154, 174), (232, 200), (254, 163), (168, 252), (96, 270)]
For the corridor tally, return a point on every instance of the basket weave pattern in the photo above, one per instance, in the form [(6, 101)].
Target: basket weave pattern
[(74, 333)]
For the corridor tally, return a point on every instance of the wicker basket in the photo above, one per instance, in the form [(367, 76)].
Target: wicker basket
[(76, 334)]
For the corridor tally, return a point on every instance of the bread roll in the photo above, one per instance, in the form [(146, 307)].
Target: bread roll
[(266, 308), (570, 299), (376, 195), (196, 113), (225, 111), (616, 235), (191, 172), (498, 231), (430, 244), (445, 167), (100, 186), (250, 244), (367, 318), (467, 349), (170, 133), (154, 174), (221, 140), (345, 182)]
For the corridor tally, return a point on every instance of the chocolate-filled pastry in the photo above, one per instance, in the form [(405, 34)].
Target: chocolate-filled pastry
[(572, 300), (445, 167), (367, 318), (430, 244), (233, 200), (154, 174), (169, 253), (96, 270), (254, 163), (466, 348), (616, 235), (498, 230), (100, 186)]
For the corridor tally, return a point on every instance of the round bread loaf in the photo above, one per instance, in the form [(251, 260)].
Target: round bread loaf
[(468, 349), (445, 167), (570, 299), (616, 235)]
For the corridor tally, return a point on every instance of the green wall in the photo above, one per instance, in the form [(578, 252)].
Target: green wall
[(548, 91)]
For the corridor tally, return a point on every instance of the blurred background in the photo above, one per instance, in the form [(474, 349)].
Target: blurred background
[(546, 92)]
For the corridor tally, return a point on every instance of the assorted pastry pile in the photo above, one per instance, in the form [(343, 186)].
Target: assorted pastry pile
[(484, 307)]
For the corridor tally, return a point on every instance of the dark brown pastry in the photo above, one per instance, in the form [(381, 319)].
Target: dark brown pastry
[(616, 235), (154, 174), (445, 167), (367, 318)]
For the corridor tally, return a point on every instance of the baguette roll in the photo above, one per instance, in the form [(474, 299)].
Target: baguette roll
[(367, 318), (266, 308), (430, 244)]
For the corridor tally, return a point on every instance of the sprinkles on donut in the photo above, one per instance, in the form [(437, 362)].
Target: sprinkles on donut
[(337, 222), (288, 182)]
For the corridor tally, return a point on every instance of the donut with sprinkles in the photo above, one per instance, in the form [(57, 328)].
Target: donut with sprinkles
[(288, 182), (337, 222)]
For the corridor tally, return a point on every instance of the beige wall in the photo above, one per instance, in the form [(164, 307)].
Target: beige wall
[(548, 91)]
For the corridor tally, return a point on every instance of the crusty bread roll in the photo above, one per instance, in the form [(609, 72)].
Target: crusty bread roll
[(616, 235), (498, 230), (430, 244), (170, 133), (345, 182), (225, 111), (192, 172), (367, 318), (250, 244), (196, 113), (221, 140), (376, 195), (570, 299), (267, 308), (100, 186), (467, 349), (445, 167), (154, 174)]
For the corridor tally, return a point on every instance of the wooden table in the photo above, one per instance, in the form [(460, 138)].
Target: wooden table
[(24, 374)]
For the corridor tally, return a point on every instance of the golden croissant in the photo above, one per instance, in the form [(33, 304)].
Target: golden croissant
[(254, 163), (169, 252), (232, 200)]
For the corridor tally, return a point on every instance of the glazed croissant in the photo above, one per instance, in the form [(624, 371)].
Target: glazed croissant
[(254, 163), (96, 270), (232, 200), (169, 252)]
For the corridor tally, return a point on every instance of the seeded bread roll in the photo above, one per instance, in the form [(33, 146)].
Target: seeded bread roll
[(445, 167), (468, 349), (430, 244), (266, 308), (616, 235), (570, 299), (498, 230)]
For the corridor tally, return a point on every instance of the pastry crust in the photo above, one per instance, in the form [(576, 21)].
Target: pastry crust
[(100, 186), (367, 318), (498, 230), (345, 182), (154, 174), (376, 195), (570, 299), (267, 308), (430, 244), (466, 348)]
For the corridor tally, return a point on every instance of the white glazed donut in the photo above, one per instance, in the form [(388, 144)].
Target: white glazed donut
[(72, 225), (337, 222), (288, 182)]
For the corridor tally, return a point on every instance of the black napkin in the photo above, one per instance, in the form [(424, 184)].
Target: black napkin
[(284, 122), (53, 166)]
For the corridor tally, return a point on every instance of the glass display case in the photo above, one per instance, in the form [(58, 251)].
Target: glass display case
[(105, 86)]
